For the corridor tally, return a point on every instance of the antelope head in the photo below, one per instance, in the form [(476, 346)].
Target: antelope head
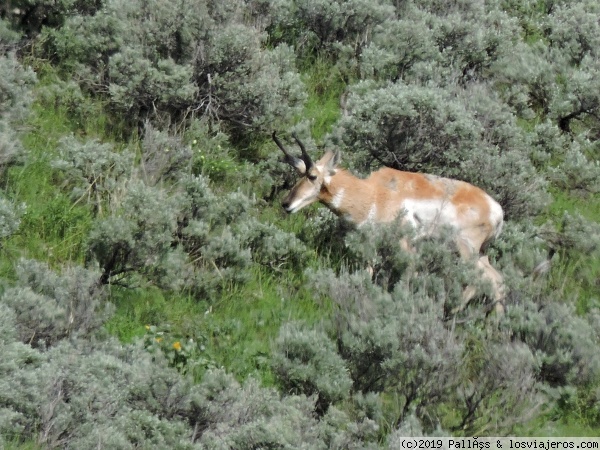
[(315, 177)]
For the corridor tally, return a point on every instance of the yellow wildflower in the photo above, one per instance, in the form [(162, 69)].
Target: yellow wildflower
[(177, 346)]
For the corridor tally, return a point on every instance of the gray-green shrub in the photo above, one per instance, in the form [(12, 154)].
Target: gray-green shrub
[(164, 156), (49, 307), (16, 84), (157, 61), (185, 236), (93, 170), (139, 234), (10, 217), (96, 392), (323, 27), (306, 362), (447, 43)]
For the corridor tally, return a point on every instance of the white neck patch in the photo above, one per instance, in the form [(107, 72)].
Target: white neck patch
[(336, 201), (371, 216), (372, 213)]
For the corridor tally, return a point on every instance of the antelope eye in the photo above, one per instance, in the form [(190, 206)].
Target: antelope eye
[(311, 177)]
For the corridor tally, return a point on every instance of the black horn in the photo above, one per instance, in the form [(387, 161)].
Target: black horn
[(292, 160), (305, 156), (302, 165), (280, 145)]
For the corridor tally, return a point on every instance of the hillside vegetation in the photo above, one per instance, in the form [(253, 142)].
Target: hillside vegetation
[(154, 294)]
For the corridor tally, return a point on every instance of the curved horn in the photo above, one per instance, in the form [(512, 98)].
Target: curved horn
[(298, 163), (305, 156)]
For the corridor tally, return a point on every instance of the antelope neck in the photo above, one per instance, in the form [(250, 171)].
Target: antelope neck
[(348, 197)]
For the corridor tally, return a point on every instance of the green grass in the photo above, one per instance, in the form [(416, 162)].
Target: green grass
[(325, 87), (16, 445), (243, 326), (575, 275), (136, 308), (588, 207), (52, 228), (237, 330), (239, 327), (567, 426)]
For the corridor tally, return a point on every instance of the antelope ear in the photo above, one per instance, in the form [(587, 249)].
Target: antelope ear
[(337, 157), (331, 160)]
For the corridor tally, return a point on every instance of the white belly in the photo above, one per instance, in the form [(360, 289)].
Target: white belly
[(426, 215)]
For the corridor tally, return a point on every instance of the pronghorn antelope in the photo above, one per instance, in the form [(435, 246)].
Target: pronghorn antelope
[(426, 202)]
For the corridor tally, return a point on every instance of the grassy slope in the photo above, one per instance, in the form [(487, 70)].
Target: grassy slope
[(53, 228), (237, 330), (578, 277)]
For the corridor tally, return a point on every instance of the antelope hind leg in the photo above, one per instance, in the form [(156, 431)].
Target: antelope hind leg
[(497, 281)]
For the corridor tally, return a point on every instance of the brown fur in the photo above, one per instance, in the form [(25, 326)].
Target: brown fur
[(427, 200)]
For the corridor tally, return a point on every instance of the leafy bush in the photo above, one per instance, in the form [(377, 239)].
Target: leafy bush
[(18, 364), (498, 388), (139, 236), (399, 47), (306, 362), (10, 217), (448, 43), (574, 31), (139, 85), (494, 374), (185, 237), (471, 37), (258, 90), (248, 416), (396, 338), (319, 27), (8, 36), (557, 74), (30, 16), (400, 345), (49, 307), (234, 415), (96, 393), (574, 235), (15, 88), (272, 247), (578, 99), (164, 157), (16, 83), (78, 396), (93, 169), (526, 79), (577, 173), (156, 61)]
